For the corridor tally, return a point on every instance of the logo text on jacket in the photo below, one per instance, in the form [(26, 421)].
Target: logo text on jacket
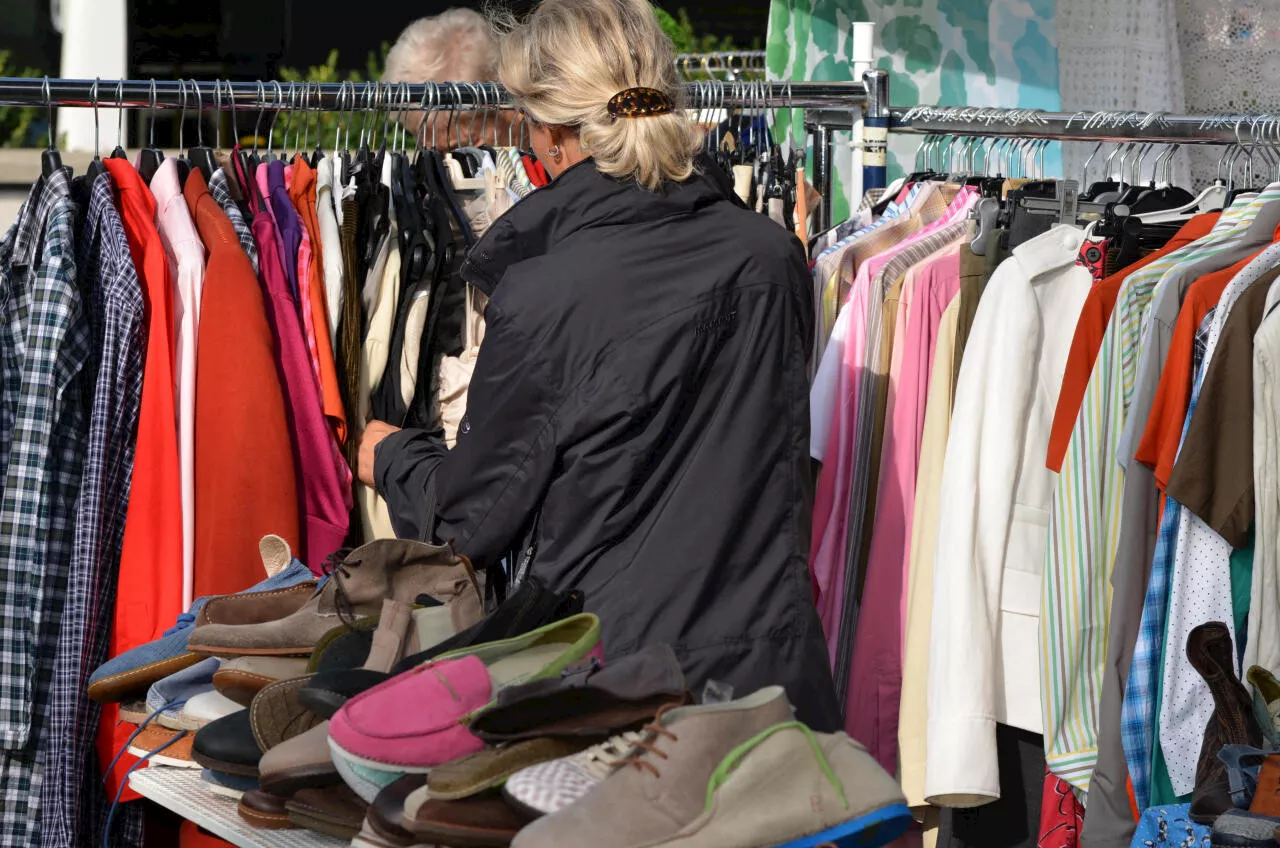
[(723, 324)]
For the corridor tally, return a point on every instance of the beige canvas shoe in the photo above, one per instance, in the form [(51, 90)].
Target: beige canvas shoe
[(714, 777)]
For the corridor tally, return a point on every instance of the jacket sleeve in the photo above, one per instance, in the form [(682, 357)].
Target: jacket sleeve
[(481, 494)]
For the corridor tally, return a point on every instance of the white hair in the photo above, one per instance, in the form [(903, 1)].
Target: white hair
[(456, 45)]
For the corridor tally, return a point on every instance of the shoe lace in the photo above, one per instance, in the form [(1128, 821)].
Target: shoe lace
[(649, 736), (601, 760), (338, 566), (124, 780), (184, 621)]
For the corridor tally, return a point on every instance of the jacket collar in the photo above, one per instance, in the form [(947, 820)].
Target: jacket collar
[(1050, 251), (580, 198)]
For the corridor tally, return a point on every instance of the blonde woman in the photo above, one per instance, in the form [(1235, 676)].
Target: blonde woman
[(637, 425)]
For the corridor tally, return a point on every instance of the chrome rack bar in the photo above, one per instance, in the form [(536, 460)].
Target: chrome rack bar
[(393, 97), (820, 123), (1086, 126)]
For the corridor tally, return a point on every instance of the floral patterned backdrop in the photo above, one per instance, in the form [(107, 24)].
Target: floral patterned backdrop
[(945, 52)]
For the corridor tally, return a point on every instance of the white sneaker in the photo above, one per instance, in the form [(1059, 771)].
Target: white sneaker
[(547, 787)]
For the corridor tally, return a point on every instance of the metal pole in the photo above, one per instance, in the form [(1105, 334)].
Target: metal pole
[(1084, 126), (875, 130), (168, 94), (822, 174)]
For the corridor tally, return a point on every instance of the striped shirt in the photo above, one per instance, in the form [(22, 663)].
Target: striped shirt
[(1084, 522)]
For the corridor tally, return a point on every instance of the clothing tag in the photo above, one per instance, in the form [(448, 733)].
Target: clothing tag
[(715, 692), (1068, 194)]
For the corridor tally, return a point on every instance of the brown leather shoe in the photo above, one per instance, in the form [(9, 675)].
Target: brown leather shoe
[(386, 814), (264, 810), (1266, 798), (1211, 653), (242, 678), (480, 821), (255, 607), (388, 568), (334, 810)]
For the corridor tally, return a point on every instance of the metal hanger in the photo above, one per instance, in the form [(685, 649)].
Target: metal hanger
[(50, 161), (202, 157), (150, 157)]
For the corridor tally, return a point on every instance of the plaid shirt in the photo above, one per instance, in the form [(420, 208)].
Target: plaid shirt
[(47, 335), (117, 316), (222, 194), (1142, 692)]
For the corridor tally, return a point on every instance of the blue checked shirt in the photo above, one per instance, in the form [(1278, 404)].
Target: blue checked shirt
[(893, 210), (1141, 694), (221, 192), (74, 805), (46, 337)]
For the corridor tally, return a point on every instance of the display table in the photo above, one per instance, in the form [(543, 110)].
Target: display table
[(181, 791)]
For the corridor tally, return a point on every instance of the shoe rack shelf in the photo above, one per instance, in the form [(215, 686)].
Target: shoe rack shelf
[(181, 791)]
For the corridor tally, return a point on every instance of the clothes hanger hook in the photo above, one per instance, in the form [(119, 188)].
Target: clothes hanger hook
[(195, 86), (97, 146), (48, 102), (217, 108), (182, 116), (262, 108), (151, 133), (120, 113)]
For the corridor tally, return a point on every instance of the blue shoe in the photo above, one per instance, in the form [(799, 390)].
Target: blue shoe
[(227, 785), (178, 688), (134, 671)]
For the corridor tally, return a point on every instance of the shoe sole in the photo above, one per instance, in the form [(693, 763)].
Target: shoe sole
[(238, 769), (182, 722), (287, 783), (265, 821), (224, 791), (871, 830), (161, 760), (398, 769), (226, 651), (521, 807), (320, 823), (240, 686), (366, 786), (369, 837), (134, 712), (460, 837)]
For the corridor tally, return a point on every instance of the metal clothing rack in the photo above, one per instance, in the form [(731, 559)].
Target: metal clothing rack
[(1155, 127), (837, 98), (733, 63), (392, 97)]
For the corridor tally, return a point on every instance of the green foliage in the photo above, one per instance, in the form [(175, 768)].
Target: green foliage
[(679, 29), (304, 124), (16, 121)]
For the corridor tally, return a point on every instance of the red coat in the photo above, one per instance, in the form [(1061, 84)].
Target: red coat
[(246, 479), (149, 598)]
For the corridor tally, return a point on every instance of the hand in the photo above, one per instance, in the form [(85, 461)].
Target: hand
[(373, 434)]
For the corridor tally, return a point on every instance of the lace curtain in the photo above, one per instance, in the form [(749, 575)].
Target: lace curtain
[(1196, 56)]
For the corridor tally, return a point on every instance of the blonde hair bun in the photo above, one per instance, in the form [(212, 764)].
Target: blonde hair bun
[(570, 58)]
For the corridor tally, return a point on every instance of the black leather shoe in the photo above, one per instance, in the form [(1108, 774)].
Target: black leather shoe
[(228, 745), (533, 605)]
